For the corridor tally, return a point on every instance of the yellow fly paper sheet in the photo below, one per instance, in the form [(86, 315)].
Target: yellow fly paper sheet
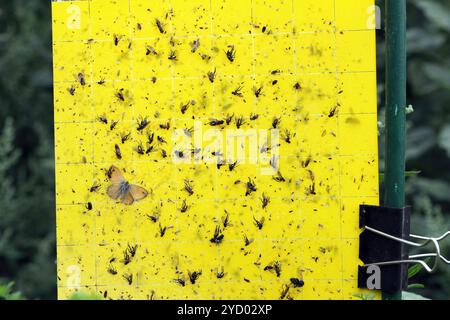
[(213, 149)]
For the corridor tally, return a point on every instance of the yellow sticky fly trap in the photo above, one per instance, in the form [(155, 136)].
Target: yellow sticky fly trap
[(249, 131)]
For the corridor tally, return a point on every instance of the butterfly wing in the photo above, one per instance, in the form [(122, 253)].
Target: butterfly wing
[(127, 199), (114, 175), (137, 192), (113, 191)]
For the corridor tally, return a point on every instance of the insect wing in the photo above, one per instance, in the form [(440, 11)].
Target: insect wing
[(115, 176), (137, 192), (113, 191), (127, 199)]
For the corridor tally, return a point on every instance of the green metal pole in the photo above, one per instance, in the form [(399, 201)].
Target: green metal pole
[(395, 109)]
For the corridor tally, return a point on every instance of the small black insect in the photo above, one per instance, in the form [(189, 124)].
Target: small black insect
[(188, 188), (154, 217), (220, 274), (150, 50), (162, 230), (274, 72), (229, 118), (94, 187), (287, 136), (150, 149), (284, 292), (265, 201), (172, 55), (165, 126), (257, 91), (116, 40), (259, 223), (71, 90), (237, 92), (212, 75), (275, 122), (163, 153), (118, 153), (306, 162), (103, 119), (181, 281), (161, 140), (297, 283), (89, 206), (185, 107), (140, 149), (251, 187), (218, 236), (120, 95), (195, 45), (239, 121), (233, 165), (297, 86), (275, 267), (193, 276), (247, 241), (101, 82), (124, 137), (279, 177), (254, 116), (264, 29), (160, 26), (184, 207), (179, 154), (274, 82), (332, 112), (126, 257), (216, 122), (81, 79), (231, 53), (311, 189), (129, 278), (142, 123), (226, 220), (132, 250), (113, 124), (112, 270)]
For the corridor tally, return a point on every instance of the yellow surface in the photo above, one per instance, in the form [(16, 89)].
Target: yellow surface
[(325, 46)]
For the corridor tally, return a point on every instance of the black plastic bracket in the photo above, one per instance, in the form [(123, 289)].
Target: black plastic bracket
[(375, 248)]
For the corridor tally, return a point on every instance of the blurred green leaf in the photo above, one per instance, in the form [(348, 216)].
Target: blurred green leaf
[(407, 175), (437, 189), (436, 12), (85, 296), (412, 296), (416, 286), (6, 292), (419, 141), (416, 268), (364, 296), (444, 139)]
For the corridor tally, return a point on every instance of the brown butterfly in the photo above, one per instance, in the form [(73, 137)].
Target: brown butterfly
[(122, 189)]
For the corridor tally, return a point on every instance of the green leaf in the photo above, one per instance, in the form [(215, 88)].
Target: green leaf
[(416, 268), (436, 12), (6, 292), (85, 296), (407, 174), (364, 296), (444, 139), (412, 296), (416, 286)]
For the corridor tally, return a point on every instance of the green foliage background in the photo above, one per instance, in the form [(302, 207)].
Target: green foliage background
[(27, 204)]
